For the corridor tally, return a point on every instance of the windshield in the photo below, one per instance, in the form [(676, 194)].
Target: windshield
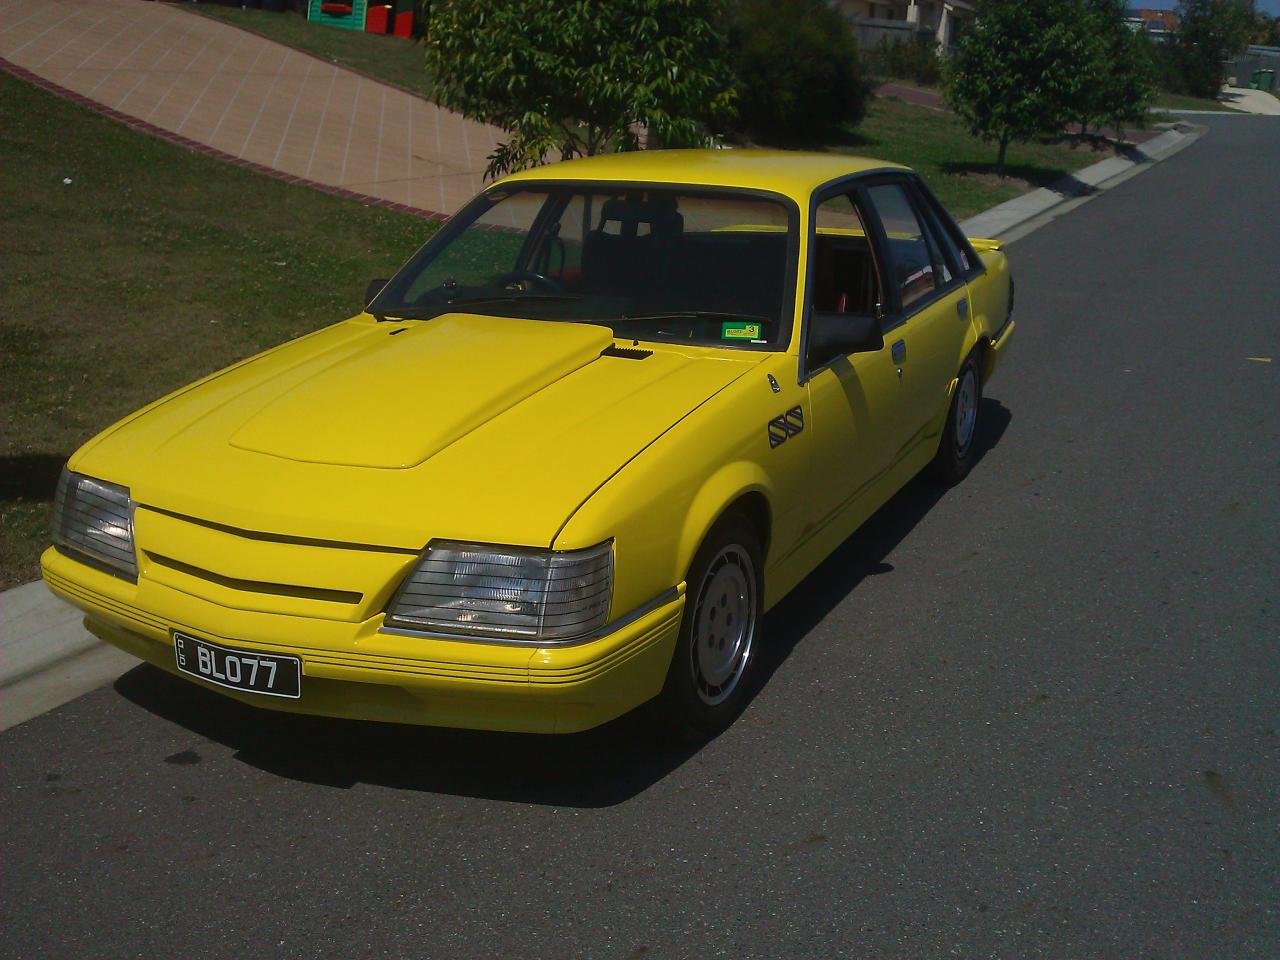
[(652, 263)]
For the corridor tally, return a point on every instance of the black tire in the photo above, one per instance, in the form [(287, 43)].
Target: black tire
[(955, 451), (707, 682)]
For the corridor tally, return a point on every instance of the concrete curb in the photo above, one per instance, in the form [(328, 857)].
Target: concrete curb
[(36, 631), (1019, 216), (47, 658)]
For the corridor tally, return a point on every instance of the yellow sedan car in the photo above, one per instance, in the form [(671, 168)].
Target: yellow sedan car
[(563, 461)]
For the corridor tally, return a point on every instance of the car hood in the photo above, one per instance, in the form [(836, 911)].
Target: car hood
[(462, 427)]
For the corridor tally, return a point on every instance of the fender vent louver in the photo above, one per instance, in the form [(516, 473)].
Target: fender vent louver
[(625, 353)]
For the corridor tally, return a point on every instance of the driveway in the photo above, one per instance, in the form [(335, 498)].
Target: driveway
[(250, 99), (1251, 101)]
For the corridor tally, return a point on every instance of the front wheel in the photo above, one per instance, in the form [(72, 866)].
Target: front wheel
[(955, 451), (706, 684)]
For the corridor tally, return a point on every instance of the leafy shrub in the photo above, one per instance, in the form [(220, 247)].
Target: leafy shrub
[(799, 76), (581, 78)]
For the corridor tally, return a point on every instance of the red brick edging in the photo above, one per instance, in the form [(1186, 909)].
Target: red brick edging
[(196, 147)]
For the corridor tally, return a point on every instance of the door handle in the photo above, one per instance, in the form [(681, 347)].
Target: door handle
[(899, 351), (962, 307)]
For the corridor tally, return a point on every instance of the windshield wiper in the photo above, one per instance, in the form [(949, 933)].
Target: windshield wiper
[(514, 298), (398, 316), (696, 315)]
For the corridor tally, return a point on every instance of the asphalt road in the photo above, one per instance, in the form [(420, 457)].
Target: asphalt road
[(1036, 716)]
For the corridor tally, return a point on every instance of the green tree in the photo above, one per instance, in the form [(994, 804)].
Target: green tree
[(798, 73), (1114, 85), (1210, 32), (1131, 84), (580, 77), (1266, 30), (1016, 71)]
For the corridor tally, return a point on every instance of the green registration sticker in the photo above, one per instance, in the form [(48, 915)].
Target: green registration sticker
[(737, 330)]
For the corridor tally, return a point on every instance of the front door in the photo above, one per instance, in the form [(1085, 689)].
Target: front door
[(859, 421)]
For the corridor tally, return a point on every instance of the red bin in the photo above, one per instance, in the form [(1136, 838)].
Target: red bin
[(378, 19)]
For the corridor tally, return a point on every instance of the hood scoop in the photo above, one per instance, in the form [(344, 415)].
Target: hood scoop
[(625, 353), (394, 402)]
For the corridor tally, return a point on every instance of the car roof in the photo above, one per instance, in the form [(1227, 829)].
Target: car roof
[(787, 172)]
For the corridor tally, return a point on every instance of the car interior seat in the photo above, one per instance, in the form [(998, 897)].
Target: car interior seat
[(630, 251)]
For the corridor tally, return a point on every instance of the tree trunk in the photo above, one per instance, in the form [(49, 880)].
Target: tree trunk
[(1004, 146)]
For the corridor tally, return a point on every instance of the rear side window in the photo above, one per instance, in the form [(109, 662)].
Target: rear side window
[(916, 266), (949, 234), (952, 254)]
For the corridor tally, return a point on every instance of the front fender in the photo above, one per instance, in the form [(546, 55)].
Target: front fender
[(660, 506), (721, 490)]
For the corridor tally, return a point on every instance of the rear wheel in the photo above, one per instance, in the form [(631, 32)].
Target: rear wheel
[(706, 683), (955, 451)]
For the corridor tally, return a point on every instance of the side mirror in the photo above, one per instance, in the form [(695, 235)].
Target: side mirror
[(373, 289), (839, 334)]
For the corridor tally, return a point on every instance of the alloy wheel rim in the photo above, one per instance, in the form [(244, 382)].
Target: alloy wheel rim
[(724, 625), (966, 411)]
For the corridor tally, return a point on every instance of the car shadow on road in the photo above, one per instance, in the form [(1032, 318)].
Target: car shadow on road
[(862, 555), (598, 768)]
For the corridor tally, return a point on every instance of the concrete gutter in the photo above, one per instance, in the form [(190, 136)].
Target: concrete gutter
[(47, 658), (1021, 215)]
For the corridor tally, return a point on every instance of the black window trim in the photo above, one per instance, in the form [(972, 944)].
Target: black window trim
[(931, 232), (948, 223), (464, 217)]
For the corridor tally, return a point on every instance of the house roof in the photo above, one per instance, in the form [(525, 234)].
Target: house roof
[(1166, 20)]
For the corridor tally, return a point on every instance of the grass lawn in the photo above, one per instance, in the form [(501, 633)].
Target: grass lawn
[(154, 266), (392, 59), (1176, 101), (958, 167)]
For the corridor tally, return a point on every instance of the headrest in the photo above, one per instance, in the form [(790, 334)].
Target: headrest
[(661, 209)]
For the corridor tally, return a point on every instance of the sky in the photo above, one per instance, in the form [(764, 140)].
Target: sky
[(1266, 6)]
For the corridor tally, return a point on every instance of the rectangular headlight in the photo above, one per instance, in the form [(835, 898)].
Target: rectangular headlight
[(509, 593), (93, 521)]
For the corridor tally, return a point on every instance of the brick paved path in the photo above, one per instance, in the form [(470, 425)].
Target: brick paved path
[(249, 98)]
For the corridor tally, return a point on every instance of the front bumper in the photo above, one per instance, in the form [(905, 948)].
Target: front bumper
[(356, 671)]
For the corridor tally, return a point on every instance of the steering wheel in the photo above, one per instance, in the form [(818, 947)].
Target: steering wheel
[(513, 279)]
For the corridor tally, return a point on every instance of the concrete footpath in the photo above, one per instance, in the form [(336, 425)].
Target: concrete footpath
[(1019, 216), (233, 94)]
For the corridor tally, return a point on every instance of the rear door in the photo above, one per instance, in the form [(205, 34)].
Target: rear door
[(928, 306)]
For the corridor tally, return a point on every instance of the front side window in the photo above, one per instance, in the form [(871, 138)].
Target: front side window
[(651, 263), (844, 271)]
